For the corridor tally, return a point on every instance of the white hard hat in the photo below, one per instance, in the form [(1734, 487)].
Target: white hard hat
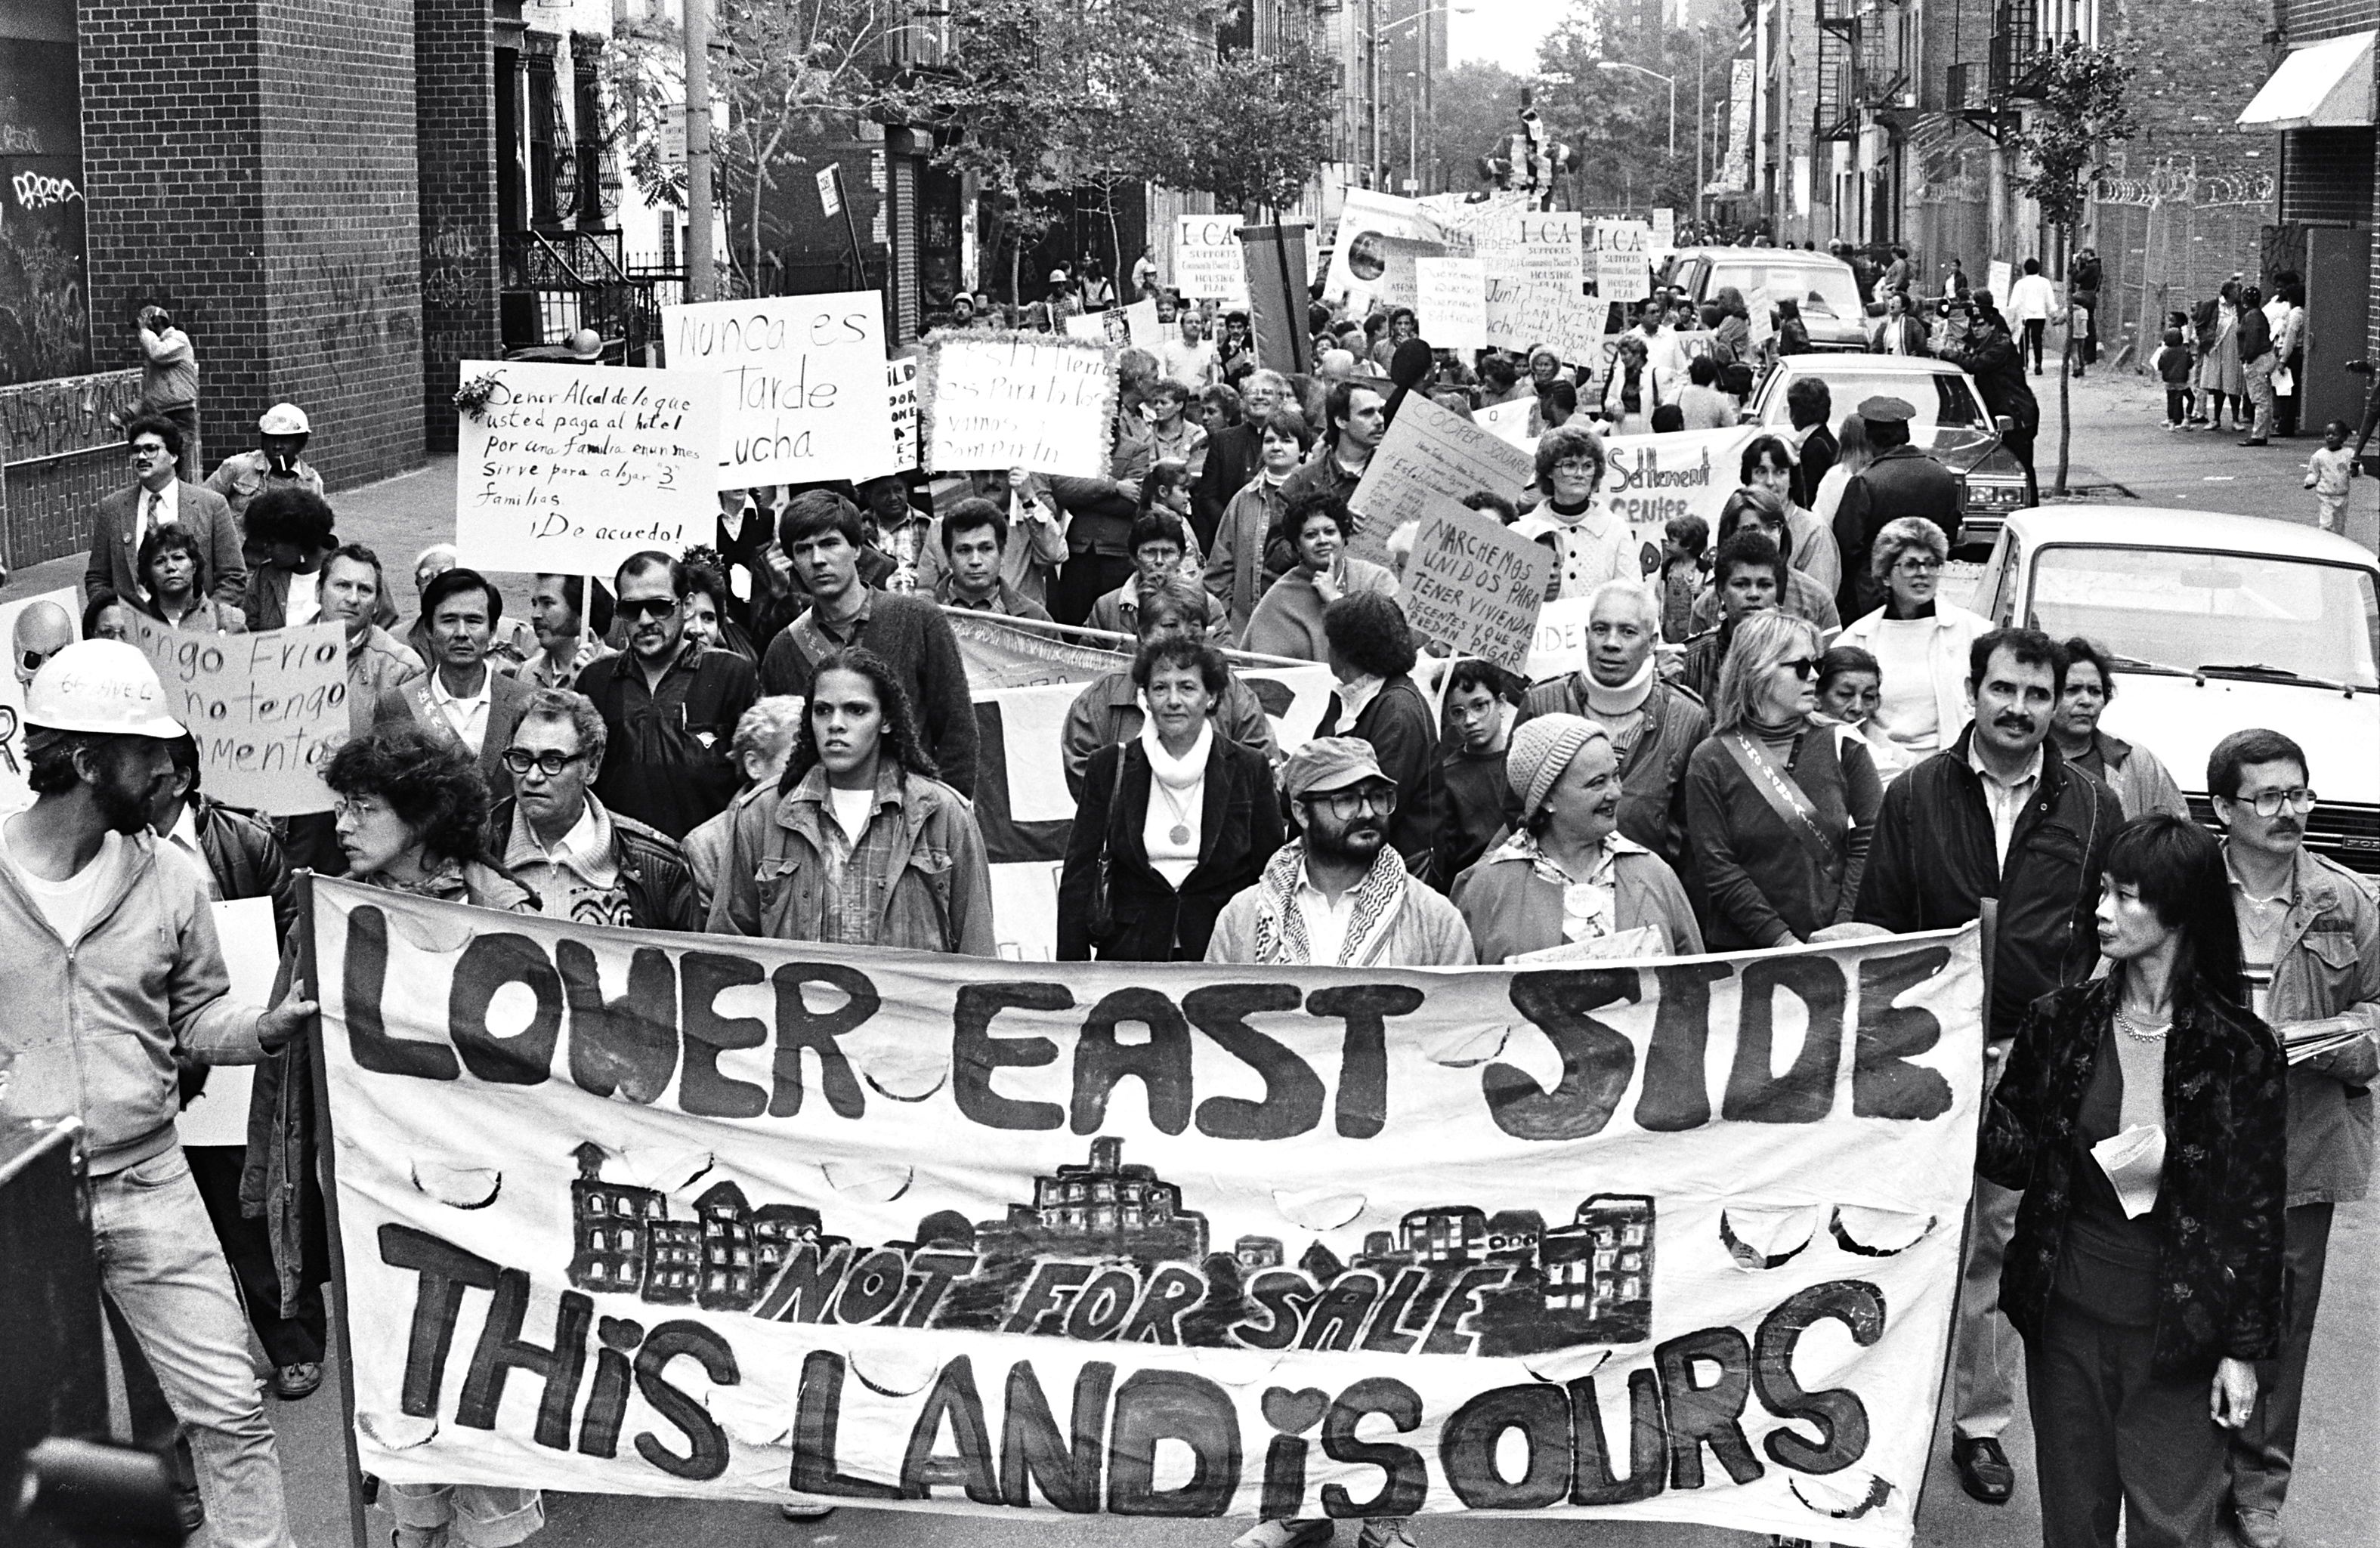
[(587, 345), (285, 419), (105, 686)]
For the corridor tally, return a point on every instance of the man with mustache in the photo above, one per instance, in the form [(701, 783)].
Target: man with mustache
[(2309, 945), (1997, 826)]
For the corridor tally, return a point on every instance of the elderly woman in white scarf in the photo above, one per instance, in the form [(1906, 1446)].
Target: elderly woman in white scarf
[(1567, 883)]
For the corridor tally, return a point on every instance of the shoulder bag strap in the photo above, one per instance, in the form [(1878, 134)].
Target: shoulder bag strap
[(1784, 797)]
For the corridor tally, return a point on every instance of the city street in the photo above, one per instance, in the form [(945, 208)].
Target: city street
[(2122, 454)]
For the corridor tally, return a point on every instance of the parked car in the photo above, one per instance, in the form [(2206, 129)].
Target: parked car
[(1824, 285), (2216, 623), (1951, 424)]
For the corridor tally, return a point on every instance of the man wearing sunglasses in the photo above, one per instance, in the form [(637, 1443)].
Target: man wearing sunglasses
[(588, 864), (43, 629), (2309, 945)]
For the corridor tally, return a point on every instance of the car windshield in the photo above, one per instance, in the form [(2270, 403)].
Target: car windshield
[(1822, 291), (1939, 397), (2184, 609)]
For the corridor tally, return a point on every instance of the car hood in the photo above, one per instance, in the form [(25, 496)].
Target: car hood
[(1964, 449), (2180, 721)]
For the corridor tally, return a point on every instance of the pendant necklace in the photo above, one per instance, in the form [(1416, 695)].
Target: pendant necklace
[(1180, 835)]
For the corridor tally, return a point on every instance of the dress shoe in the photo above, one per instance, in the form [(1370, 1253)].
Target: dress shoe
[(293, 1382), (2258, 1529), (189, 1509), (1983, 1470), (2255, 440)]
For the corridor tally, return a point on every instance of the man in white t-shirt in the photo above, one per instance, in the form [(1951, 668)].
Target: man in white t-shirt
[(2032, 301), (109, 960), (1190, 360)]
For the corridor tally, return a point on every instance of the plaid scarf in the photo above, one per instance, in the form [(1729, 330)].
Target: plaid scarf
[(1280, 927)]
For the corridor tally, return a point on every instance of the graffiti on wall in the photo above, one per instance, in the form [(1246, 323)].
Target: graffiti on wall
[(44, 281), (67, 414)]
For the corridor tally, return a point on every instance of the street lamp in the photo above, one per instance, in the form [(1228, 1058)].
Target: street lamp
[(1701, 77), (1372, 43), (1672, 81)]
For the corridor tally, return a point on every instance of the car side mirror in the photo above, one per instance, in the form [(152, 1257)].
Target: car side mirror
[(2005, 424)]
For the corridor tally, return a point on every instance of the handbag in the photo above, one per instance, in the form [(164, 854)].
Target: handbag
[(1098, 917)]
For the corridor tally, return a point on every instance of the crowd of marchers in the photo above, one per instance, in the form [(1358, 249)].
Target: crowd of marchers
[(1781, 734)]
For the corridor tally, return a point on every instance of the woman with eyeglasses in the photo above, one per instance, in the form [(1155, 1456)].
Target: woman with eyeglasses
[(1780, 802), (106, 617), (1919, 641), (412, 816), (1567, 878)]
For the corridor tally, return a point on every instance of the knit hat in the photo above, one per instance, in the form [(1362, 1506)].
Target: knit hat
[(1329, 763), (1541, 748)]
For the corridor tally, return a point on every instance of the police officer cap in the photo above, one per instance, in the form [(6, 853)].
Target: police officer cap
[(1892, 411)]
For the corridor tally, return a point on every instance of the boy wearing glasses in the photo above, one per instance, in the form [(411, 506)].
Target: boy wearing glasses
[(588, 864), (2309, 945)]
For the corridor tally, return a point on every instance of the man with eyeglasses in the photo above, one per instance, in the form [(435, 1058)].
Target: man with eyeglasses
[(1999, 827), (585, 862), (669, 705), (41, 630), (161, 497), (2310, 947)]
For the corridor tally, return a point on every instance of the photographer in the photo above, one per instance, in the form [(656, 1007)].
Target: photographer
[(169, 381)]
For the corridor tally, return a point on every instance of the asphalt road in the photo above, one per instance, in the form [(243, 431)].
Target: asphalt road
[(2121, 454)]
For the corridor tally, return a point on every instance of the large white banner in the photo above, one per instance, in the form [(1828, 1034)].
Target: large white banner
[(699, 1218), (802, 392)]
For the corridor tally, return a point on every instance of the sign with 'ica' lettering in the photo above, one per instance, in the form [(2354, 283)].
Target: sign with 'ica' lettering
[(1033, 401), (267, 709), (801, 384), (648, 1214), (1208, 263), (570, 469)]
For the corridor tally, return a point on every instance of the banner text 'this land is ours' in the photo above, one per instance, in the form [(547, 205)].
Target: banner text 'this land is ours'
[(666, 1027)]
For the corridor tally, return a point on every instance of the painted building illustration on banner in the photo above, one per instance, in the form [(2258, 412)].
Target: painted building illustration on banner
[(1588, 1281)]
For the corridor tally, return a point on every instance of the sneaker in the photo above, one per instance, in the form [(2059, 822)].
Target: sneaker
[(1288, 1534), (1387, 1532)]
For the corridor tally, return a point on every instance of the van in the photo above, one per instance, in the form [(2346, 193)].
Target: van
[(1824, 284)]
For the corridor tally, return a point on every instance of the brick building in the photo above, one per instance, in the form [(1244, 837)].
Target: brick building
[(2316, 113)]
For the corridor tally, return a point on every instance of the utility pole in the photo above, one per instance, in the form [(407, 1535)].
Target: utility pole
[(1702, 118), (701, 267)]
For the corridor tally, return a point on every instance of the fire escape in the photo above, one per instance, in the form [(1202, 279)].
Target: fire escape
[(1839, 41)]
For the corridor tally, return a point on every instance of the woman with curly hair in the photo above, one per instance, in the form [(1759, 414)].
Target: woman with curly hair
[(412, 816), (1287, 620), (1370, 648), (291, 530), (863, 845), (708, 616), (2142, 1116), (1920, 642)]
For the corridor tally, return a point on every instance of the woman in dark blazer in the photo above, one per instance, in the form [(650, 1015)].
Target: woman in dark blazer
[(2142, 1114), (1371, 652), (1172, 825)]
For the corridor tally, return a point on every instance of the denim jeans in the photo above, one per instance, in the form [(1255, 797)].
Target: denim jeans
[(159, 1263)]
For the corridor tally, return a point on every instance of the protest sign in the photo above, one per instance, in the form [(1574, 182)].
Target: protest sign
[(252, 954), (570, 469), (1534, 291), (15, 794), (266, 709), (1017, 400), (1649, 479), (1510, 420), (1429, 454), (1998, 278), (801, 390), (1452, 302), (1474, 585), (1207, 262), (901, 410), (1141, 328), (1379, 236), (1665, 230), (709, 1218), (1096, 328), (1622, 258)]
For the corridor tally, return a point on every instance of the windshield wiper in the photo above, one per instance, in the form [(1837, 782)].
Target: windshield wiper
[(2153, 669), (2258, 669)]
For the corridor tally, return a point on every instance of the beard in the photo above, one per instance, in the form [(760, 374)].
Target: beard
[(123, 809)]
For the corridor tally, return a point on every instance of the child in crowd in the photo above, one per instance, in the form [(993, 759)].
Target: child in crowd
[(2327, 474), (1684, 540), (2172, 365)]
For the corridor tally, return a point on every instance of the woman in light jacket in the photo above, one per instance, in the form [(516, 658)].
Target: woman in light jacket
[(1236, 570), (1567, 876), (858, 807), (1919, 642), (1634, 388)]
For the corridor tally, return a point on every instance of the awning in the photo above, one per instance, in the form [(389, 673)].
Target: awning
[(2320, 86)]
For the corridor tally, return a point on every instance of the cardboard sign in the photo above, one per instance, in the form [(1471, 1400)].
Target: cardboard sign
[(829, 191), (900, 409), (1018, 400), (1207, 261), (1429, 454), (570, 469), (15, 794), (1510, 420), (1622, 260), (1534, 287), (1649, 479), (1141, 330), (1452, 302), (267, 709), (801, 384), (834, 1204), (1473, 584)]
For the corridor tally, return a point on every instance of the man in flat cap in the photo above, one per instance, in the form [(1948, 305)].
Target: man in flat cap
[(1339, 895), (1900, 481)]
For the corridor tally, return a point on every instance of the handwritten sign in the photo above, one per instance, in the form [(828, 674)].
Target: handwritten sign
[(1534, 291), (2000, 278), (1207, 261), (801, 392), (1475, 585), (1649, 479), (1453, 305), (1018, 400), (1141, 330), (1622, 258), (1431, 454), (1509, 420), (901, 405), (266, 709), (570, 469), (15, 794)]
